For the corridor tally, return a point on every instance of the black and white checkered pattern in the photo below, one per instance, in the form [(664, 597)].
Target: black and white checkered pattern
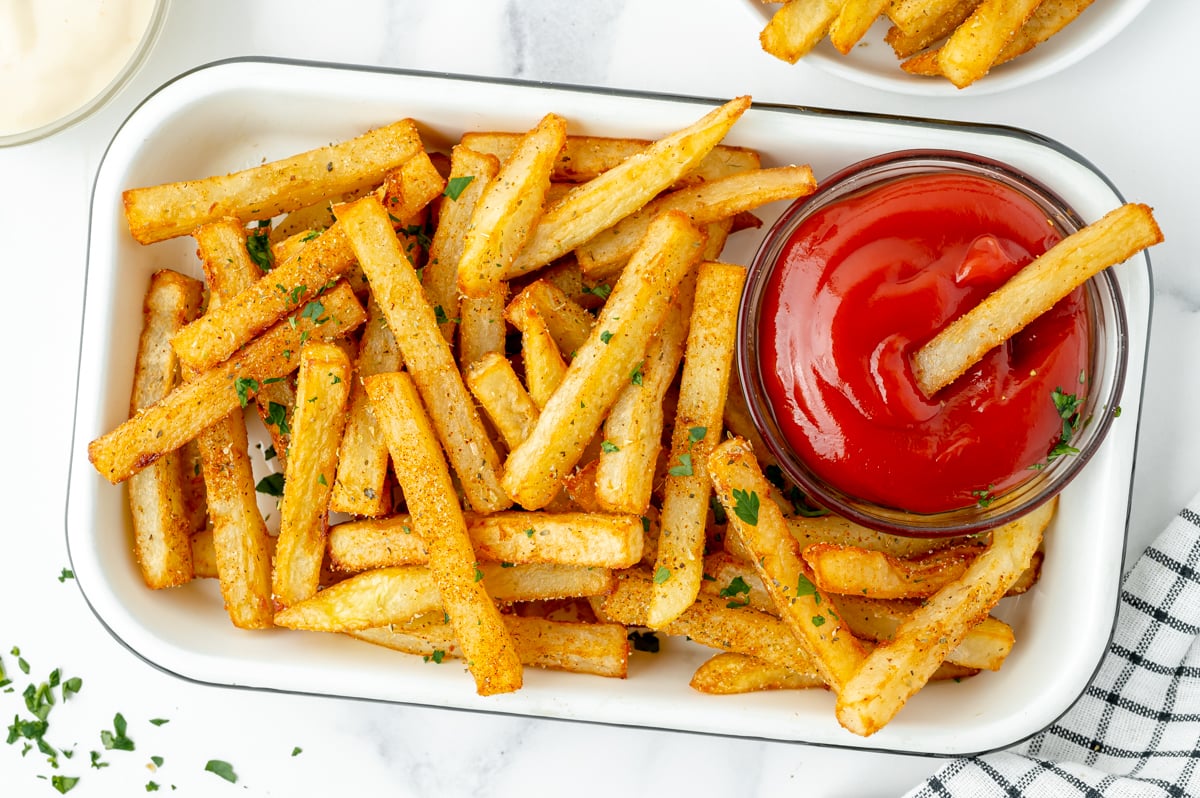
[(1136, 730)]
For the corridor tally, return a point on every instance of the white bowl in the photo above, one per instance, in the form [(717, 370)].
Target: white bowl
[(235, 114)]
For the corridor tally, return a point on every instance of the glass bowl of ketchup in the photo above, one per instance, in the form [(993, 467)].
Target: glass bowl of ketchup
[(847, 286)]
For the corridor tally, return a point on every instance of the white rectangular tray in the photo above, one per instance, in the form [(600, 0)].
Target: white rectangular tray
[(235, 114)]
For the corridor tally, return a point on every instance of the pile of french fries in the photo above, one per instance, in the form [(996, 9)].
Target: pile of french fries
[(961, 40), (508, 369)]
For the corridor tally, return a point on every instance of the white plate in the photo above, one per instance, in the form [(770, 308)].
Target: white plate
[(872, 62), (235, 114)]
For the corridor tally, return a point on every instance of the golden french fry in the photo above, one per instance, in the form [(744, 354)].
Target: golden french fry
[(174, 209), (161, 529), (1119, 235), (601, 202), (410, 187), (853, 21), (605, 253), (928, 29), (600, 649), (545, 367), (697, 430), (730, 674), (924, 64), (481, 327), (509, 209), (493, 382), (797, 27), (472, 171), (360, 487), (840, 531), (426, 354), (583, 158), (1049, 18), (974, 46), (569, 324), (892, 673), (437, 517), (293, 286), (322, 388), (742, 491), (180, 416), (204, 555), (581, 539), (534, 470), (848, 569), (911, 15)]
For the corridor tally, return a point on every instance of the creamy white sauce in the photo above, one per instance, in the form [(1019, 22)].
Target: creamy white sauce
[(56, 55)]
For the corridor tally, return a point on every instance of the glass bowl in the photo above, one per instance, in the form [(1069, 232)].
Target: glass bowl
[(79, 108), (1106, 355)]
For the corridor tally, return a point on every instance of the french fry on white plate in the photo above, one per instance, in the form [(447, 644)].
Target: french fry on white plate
[(503, 398)]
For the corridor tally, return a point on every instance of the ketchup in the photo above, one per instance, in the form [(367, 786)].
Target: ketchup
[(859, 287)]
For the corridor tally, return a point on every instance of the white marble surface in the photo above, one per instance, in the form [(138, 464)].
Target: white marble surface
[(1131, 109)]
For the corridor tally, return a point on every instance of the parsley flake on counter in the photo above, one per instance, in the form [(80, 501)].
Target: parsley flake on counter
[(745, 506), (64, 784), (222, 769), (297, 751), (159, 721), (116, 740), (455, 186), (151, 786), (66, 574)]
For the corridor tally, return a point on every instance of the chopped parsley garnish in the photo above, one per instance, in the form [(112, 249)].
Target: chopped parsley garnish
[(601, 290), (157, 760), (277, 416), (818, 620), (436, 657), (66, 574), (272, 485), (222, 769), (606, 336), (745, 506), (297, 751), (684, 469), (244, 387), (478, 573), (805, 587), (64, 784), (116, 740), (159, 721), (1069, 406), (718, 510), (643, 641), (983, 497), (636, 375), (313, 310), (258, 244), (608, 447), (151, 786), (529, 532), (696, 434), (455, 186), (736, 587), (661, 575)]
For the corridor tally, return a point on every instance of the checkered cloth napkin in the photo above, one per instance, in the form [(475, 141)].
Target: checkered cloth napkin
[(1136, 730)]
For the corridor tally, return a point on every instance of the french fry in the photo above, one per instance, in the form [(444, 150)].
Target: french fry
[(697, 430), (848, 569), (600, 649), (426, 354), (204, 555), (911, 15), (161, 530), (892, 673), (582, 539), (322, 387), (1117, 236), (569, 324), (741, 489), (360, 487), (410, 187), (853, 21), (583, 158), (974, 46), (440, 276), (601, 202), (294, 284), (498, 389), (534, 470), (605, 254), (509, 208), (261, 192), (481, 327), (840, 531), (731, 674), (797, 27), (180, 416), (1049, 18), (437, 517), (929, 29), (545, 366)]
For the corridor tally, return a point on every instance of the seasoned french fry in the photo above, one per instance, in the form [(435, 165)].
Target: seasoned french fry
[(1035, 289), (437, 517), (175, 209), (534, 471), (911, 15), (509, 208), (363, 457), (600, 649), (853, 21), (493, 382), (974, 46), (161, 529), (569, 324), (797, 27), (583, 158), (741, 489), (1049, 18), (180, 416), (426, 354), (323, 387), (481, 327), (545, 367), (204, 555), (847, 569), (294, 284), (697, 431), (605, 254), (582, 539), (474, 170), (929, 29), (601, 202), (410, 187), (838, 530), (729, 674), (892, 673)]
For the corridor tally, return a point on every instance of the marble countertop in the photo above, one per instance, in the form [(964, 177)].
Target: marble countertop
[(1131, 109)]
